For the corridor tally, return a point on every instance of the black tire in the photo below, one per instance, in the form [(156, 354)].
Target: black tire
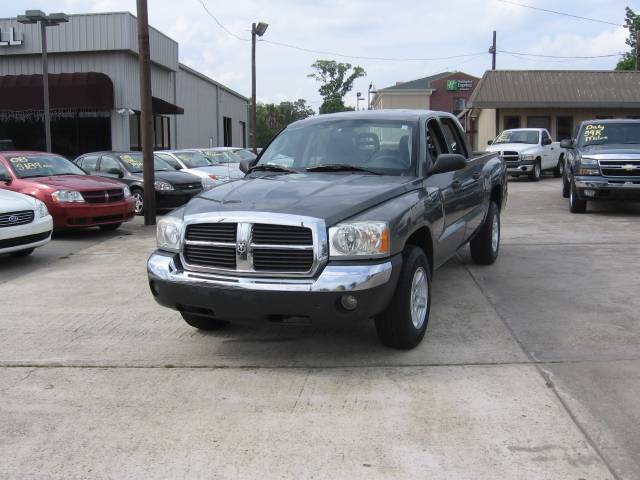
[(484, 250), (138, 196), (566, 187), (576, 205), (559, 170), (536, 173), (22, 253), (203, 323), (110, 227), (395, 326)]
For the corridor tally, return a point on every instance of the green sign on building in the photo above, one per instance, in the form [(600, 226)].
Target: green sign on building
[(452, 85)]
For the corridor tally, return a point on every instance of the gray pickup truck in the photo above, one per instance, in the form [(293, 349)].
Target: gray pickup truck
[(342, 216), (603, 163)]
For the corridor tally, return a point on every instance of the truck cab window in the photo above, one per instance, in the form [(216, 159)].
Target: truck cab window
[(455, 143), (435, 142)]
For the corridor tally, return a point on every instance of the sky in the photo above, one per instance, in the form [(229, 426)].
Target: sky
[(398, 29)]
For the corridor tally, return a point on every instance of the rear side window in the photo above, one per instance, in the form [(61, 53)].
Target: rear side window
[(452, 136)]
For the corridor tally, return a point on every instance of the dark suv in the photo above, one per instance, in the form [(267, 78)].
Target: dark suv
[(173, 188), (603, 163)]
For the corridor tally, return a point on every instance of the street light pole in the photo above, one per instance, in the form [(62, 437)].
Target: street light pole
[(257, 30), (53, 20)]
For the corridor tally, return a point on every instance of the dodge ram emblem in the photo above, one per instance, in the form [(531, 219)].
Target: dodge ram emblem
[(241, 248)]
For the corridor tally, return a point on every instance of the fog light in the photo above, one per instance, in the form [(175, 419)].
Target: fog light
[(590, 193), (349, 302)]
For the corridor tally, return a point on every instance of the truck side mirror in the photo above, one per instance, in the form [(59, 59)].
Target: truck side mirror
[(546, 141), (567, 143), (448, 162), (489, 142), (246, 164)]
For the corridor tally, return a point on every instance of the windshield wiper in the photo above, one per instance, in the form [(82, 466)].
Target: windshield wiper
[(339, 167), (269, 167)]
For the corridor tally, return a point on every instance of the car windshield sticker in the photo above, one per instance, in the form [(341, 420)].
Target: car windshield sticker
[(129, 160), (24, 164), (594, 133)]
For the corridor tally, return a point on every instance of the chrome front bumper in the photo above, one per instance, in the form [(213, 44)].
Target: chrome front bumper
[(334, 278)]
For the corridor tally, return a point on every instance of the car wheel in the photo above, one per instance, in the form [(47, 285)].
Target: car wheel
[(138, 196), (486, 244), (576, 205), (203, 323), (566, 187), (110, 227), (536, 173), (22, 253), (559, 170), (403, 324)]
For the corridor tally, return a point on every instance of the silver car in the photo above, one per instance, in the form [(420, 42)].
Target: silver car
[(228, 160), (196, 163)]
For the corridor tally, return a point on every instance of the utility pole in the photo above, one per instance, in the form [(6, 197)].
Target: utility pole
[(257, 30), (493, 51), (637, 51), (146, 118)]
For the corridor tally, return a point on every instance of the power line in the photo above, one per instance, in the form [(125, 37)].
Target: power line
[(574, 57), (561, 13), (221, 25)]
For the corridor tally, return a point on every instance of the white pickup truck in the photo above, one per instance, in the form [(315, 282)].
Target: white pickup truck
[(529, 151)]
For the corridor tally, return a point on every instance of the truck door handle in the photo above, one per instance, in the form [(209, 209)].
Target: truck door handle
[(456, 184)]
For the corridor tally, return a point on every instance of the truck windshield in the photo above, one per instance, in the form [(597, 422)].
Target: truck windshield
[(26, 166), (531, 137), (609, 134), (380, 146)]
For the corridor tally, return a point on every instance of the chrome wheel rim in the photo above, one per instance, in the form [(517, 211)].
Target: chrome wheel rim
[(495, 233), (419, 298), (536, 170), (139, 202)]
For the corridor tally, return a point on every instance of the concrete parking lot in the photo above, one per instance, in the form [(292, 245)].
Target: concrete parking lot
[(530, 368)]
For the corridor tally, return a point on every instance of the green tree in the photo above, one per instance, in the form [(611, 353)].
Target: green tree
[(632, 23), (337, 80), (271, 118)]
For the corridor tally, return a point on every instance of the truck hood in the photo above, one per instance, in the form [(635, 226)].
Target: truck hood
[(75, 182), (329, 196), (611, 151), (511, 147)]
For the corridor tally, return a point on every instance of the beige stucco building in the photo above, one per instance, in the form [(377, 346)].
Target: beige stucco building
[(557, 100)]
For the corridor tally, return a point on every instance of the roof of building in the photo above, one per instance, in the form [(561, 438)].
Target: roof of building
[(418, 84), (557, 89)]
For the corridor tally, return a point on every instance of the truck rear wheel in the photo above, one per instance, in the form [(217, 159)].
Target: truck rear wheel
[(559, 170), (576, 205), (486, 244), (203, 323), (403, 324), (536, 173)]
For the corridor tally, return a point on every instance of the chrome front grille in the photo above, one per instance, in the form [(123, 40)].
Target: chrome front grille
[(13, 219), (255, 244), (103, 196), (511, 159), (620, 168)]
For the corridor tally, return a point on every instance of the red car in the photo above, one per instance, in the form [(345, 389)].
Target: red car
[(73, 198)]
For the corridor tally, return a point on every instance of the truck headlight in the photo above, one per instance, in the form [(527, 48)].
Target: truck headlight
[(359, 239), (67, 196), (588, 166), (527, 157), (160, 185), (168, 234), (41, 209)]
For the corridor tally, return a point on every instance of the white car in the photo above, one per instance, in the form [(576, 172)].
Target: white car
[(25, 223), (227, 160), (193, 162), (529, 151)]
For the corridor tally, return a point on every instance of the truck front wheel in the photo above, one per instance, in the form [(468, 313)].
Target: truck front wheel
[(403, 324), (203, 323), (576, 205), (565, 185), (536, 172)]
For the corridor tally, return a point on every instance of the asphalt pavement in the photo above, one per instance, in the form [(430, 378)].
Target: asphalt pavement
[(530, 368)]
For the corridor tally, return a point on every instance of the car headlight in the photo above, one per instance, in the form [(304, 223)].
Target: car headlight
[(161, 185), (527, 157), (41, 209), (220, 178), (207, 183), (168, 233), (359, 239), (126, 192), (588, 166), (67, 196)]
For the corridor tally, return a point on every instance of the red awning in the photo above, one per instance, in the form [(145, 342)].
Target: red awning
[(82, 90)]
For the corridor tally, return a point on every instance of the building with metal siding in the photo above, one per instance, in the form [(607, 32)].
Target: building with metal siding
[(107, 43)]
